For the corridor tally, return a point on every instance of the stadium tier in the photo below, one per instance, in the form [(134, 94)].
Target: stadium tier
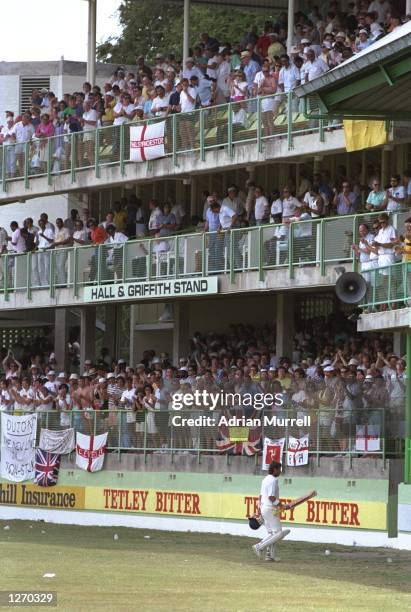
[(205, 282)]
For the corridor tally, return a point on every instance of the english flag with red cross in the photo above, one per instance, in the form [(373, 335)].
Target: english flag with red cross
[(147, 142), (367, 438), (90, 451)]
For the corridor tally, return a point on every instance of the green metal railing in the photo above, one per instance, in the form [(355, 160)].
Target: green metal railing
[(388, 287), (153, 432), (312, 243), (202, 130)]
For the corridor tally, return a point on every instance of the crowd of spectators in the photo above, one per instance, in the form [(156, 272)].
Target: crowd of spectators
[(314, 196), (216, 72), (333, 375)]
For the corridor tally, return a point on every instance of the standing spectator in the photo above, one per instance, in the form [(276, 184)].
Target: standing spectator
[(345, 201), (3, 249), (155, 212), (250, 68), (395, 196), (24, 132), (223, 78), (89, 121), (44, 131), (266, 85), (7, 140), (290, 205), (160, 104), (80, 234), (17, 240), (376, 197), (62, 239), (261, 210), (45, 239), (187, 105), (289, 78), (386, 241)]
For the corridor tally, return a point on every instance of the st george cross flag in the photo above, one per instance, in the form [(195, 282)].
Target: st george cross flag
[(90, 451), (272, 451), (47, 468), (297, 451), (147, 142), (367, 438)]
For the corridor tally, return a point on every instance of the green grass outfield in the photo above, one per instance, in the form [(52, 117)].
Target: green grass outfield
[(176, 572)]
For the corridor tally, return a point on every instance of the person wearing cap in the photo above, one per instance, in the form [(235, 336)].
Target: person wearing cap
[(250, 68), (108, 117), (363, 41), (51, 384), (313, 67), (191, 69)]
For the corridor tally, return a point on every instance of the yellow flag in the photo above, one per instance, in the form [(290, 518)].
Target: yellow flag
[(363, 134)]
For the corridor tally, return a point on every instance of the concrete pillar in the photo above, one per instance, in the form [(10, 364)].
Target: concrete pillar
[(290, 33), (91, 41), (87, 334), (399, 344), (407, 465), (285, 325), (186, 31), (181, 330), (408, 7), (110, 333), (134, 356), (61, 338)]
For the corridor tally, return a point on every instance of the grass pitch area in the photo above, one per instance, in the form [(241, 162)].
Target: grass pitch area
[(176, 572)]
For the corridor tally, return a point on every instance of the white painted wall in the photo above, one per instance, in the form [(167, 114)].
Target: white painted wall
[(9, 94), (54, 206)]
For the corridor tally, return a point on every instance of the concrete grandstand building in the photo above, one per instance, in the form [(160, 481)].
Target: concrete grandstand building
[(140, 296)]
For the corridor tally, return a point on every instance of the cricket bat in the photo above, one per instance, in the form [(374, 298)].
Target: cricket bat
[(301, 500)]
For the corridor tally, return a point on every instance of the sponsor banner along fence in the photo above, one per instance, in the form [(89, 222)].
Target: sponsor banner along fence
[(230, 506)]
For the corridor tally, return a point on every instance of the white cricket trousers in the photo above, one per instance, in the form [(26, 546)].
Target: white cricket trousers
[(273, 525)]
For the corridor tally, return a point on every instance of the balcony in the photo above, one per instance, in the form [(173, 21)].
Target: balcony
[(301, 255), (223, 136)]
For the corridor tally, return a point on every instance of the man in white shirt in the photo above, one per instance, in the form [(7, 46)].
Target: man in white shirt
[(395, 195), (8, 139), (114, 255), (269, 502), (223, 79), (62, 240), (288, 79), (24, 132), (18, 243), (124, 112), (385, 241), (233, 200), (45, 238), (155, 211), (212, 65), (191, 70), (314, 67), (381, 8), (290, 204), (261, 208), (188, 98), (159, 108)]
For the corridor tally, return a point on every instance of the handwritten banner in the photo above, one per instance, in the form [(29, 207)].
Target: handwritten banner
[(18, 439)]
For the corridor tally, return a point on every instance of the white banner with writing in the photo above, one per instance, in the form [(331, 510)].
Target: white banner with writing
[(18, 441), (147, 141), (60, 441)]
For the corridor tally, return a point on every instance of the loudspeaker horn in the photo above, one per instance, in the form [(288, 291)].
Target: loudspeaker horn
[(351, 288)]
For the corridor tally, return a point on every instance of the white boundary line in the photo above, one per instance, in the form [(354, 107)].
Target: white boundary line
[(348, 537)]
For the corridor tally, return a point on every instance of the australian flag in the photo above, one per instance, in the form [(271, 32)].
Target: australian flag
[(47, 468)]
